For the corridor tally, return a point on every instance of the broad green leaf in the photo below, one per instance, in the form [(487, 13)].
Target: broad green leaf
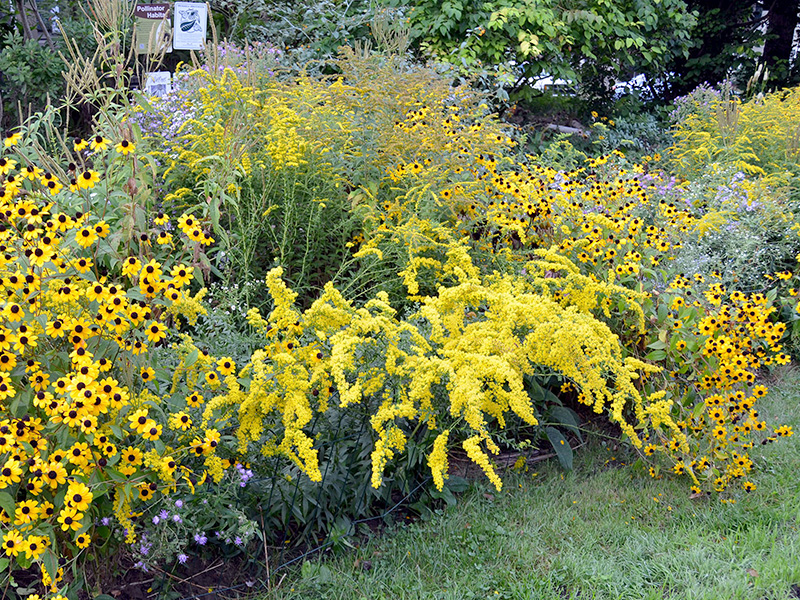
[(561, 446), (192, 358), (50, 563), (7, 504), (562, 415)]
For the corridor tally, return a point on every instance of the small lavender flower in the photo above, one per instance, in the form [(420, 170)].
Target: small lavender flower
[(163, 515), (238, 541), (176, 518), (105, 521), (178, 503), (200, 538), (156, 520), (182, 558)]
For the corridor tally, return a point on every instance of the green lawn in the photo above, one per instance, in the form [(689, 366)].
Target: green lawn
[(600, 531)]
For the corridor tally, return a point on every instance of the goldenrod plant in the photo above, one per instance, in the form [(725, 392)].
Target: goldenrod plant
[(758, 136)]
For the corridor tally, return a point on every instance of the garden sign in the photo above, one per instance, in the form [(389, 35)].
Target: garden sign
[(191, 22), (152, 28)]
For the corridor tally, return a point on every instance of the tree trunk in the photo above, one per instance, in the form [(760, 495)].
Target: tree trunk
[(23, 19), (781, 23), (45, 26)]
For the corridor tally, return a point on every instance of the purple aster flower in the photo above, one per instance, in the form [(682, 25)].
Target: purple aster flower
[(179, 503), (182, 558), (176, 518), (200, 538), (238, 541), (156, 520)]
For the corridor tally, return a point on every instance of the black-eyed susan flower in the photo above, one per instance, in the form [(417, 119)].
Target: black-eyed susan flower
[(148, 374), (226, 365), (186, 223), (26, 512), (54, 474), (79, 145), (180, 421), (131, 266), (101, 228), (69, 519), (194, 400), (88, 424), (11, 139), (13, 543), (10, 473), (132, 456), (7, 165), (169, 464), (138, 419), (155, 332), (85, 237), (78, 496), (181, 275), (35, 546), (32, 172), (125, 147), (88, 179), (54, 187), (99, 143)]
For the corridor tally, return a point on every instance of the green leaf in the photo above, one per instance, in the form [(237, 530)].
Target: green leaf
[(457, 484), (561, 446), (698, 410), (192, 358), (50, 563), (535, 391), (4, 562), (656, 355), (562, 415), (7, 504)]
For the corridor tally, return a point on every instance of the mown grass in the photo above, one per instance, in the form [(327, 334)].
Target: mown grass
[(602, 531)]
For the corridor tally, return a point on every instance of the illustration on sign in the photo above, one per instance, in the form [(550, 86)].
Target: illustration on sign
[(191, 20), (158, 83)]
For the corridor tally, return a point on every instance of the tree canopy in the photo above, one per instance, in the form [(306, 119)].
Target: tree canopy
[(573, 39)]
